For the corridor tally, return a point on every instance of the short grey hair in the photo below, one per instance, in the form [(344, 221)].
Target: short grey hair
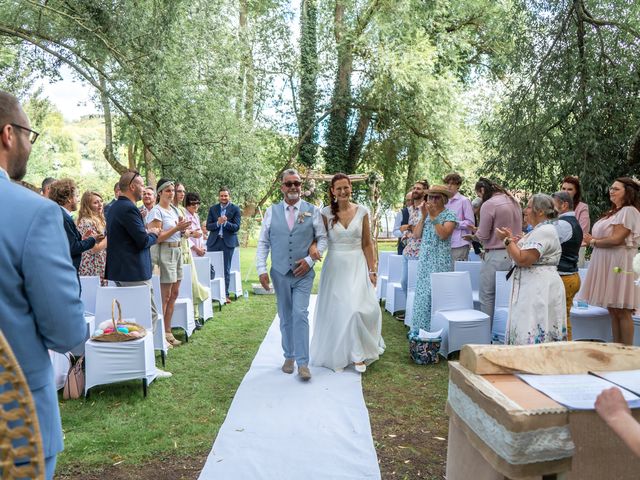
[(564, 197), (541, 202), (288, 172)]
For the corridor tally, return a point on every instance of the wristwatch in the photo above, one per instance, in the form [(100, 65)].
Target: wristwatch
[(507, 241)]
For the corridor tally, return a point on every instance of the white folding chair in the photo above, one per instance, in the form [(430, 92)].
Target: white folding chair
[(452, 311), (216, 285), (412, 279), (203, 269), (383, 274), (159, 341), (474, 270), (589, 322), (111, 362), (501, 312), (235, 277), (90, 286), (395, 297), (183, 316)]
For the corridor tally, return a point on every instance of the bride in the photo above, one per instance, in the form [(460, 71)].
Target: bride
[(348, 322)]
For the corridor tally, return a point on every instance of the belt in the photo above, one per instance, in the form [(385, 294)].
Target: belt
[(170, 244)]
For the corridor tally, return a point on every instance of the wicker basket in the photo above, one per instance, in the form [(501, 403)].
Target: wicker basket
[(117, 336), (18, 421)]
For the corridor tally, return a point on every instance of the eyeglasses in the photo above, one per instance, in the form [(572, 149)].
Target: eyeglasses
[(135, 174), (292, 184), (33, 135)]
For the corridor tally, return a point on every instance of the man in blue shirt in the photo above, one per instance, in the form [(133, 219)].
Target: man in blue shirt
[(40, 308)]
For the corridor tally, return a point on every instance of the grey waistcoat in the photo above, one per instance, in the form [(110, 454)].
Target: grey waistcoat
[(289, 246)]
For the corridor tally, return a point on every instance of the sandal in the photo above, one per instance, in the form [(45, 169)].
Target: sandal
[(172, 340)]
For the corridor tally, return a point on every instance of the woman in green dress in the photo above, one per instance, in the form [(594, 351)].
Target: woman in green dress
[(435, 228)]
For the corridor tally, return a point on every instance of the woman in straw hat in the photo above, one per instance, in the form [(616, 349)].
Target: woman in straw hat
[(435, 229)]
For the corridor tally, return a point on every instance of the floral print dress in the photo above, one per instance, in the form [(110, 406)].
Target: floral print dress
[(435, 256), (92, 263), (538, 311)]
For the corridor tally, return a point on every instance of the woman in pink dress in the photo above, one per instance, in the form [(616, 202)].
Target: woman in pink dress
[(615, 242), (91, 222), (571, 185)]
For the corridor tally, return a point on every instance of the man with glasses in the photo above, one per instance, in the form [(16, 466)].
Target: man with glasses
[(223, 223), (40, 308), (288, 230)]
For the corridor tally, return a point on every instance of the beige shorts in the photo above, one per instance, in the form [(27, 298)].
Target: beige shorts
[(170, 263)]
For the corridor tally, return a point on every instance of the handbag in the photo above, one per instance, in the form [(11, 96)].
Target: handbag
[(424, 352), (74, 385)]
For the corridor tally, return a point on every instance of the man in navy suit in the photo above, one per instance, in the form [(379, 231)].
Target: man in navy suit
[(65, 193), (128, 256), (40, 307), (223, 224)]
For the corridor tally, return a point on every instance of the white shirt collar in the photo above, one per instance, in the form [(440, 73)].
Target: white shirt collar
[(296, 206), (3, 173)]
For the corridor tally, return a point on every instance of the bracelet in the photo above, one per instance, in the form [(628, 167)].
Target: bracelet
[(372, 273), (507, 241), (592, 243)]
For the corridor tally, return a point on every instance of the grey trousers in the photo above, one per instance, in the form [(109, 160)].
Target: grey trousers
[(460, 254), (494, 261), (154, 309), (292, 296)]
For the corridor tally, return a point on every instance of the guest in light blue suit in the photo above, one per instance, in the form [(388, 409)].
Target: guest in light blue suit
[(40, 307), (288, 230)]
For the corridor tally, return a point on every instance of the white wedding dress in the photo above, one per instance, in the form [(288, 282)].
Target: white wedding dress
[(348, 321)]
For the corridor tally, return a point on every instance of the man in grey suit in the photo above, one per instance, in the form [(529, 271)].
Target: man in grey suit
[(40, 306), (288, 230)]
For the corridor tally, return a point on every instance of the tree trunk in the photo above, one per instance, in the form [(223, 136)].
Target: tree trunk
[(240, 101), (108, 130), (357, 142), (308, 79), (338, 130), (148, 158)]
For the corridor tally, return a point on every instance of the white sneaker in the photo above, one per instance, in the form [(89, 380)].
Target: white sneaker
[(163, 374)]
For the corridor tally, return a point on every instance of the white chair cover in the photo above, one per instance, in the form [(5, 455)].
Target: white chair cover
[(203, 272), (501, 312), (412, 274), (408, 311), (159, 342), (216, 285), (110, 362), (636, 330), (60, 364), (590, 323), (395, 298), (474, 270), (473, 256), (452, 311), (396, 267), (383, 274), (90, 286), (183, 315), (235, 278), (91, 326)]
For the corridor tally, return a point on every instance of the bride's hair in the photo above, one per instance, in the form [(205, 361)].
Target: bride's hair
[(334, 201)]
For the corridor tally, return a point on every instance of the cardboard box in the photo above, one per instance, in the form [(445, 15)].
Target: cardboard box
[(501, 428)]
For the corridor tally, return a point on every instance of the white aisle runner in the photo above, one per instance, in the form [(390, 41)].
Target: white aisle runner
[(279, 428)]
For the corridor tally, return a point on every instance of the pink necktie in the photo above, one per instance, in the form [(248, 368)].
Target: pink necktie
[(290, 217)]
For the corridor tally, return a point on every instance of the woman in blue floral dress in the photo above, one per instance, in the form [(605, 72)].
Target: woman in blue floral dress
[(436, 226)]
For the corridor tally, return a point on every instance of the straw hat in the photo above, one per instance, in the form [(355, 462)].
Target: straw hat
[(439, 190)]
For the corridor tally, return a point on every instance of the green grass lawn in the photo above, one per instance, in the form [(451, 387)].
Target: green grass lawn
[(181, 415)]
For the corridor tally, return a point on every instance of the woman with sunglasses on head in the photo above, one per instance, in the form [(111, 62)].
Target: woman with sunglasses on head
[(615, 242), (91, 222), (169, 219), (435, 229), (571, 185), (196, 242)]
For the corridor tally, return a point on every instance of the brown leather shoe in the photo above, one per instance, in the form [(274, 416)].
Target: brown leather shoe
[(287, 367), (304, 373)]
